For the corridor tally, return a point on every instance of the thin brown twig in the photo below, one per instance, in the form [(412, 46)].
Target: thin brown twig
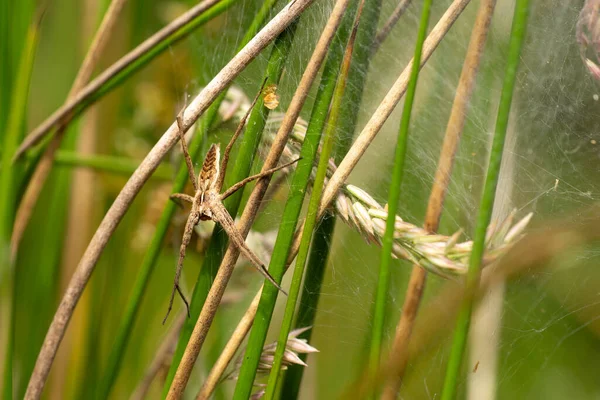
[(217, 289), (63, 112), (372, 128), (138, 179), (456, 123), (42, 170), (383, 33), (161, 358)]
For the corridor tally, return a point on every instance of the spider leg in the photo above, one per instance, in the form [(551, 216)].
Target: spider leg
[(179, 197), (186, 154), (241, 183), (237, 133), (221, 216), (187, 236)]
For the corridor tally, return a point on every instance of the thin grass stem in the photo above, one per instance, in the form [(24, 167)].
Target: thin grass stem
[(293, 205), (517, 38), (394, 197), (441, 181), (313, 208)]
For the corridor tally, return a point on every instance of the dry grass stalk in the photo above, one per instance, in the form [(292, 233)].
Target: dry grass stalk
[(416, 285), (215, 294), (42, 170), (63, 112), (138, 179)]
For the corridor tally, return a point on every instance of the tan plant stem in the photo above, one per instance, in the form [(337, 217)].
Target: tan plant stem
[(161, 358), (138, 179), (383, 33), (388, 104), (232, 346), (217, 289), (351, 159), (63, 112), (456, 123), (42, 170)]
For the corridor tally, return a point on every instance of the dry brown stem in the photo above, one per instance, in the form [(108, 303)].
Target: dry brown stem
[(137, 180), (215, 294), (456, 123)]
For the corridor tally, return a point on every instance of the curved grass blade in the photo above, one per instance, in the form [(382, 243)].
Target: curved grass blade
[(461, 331)]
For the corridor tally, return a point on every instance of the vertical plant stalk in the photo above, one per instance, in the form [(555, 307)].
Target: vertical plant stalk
[(212, 302), (9, 179), (517, 38), (371, 129), (387, 240), (322, 240), (388, 104), (293, 205), (456, 124), (125, 66), (42, 170), (313, 208), (384, 32), (137, 180), (150, 259)]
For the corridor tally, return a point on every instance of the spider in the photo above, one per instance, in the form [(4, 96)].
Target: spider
[(207, 202)]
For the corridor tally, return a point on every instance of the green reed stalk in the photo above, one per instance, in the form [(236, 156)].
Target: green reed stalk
[(394, 197), (317, 261), (313, 210), (517, 37)]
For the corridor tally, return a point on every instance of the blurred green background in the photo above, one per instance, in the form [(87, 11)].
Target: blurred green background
[(548, 329)]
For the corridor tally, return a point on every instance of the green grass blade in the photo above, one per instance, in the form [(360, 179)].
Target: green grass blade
[(311, 217), (290, 217), (461, 331), (307, 311), (9, 177), (394, 197), (317, 261)]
